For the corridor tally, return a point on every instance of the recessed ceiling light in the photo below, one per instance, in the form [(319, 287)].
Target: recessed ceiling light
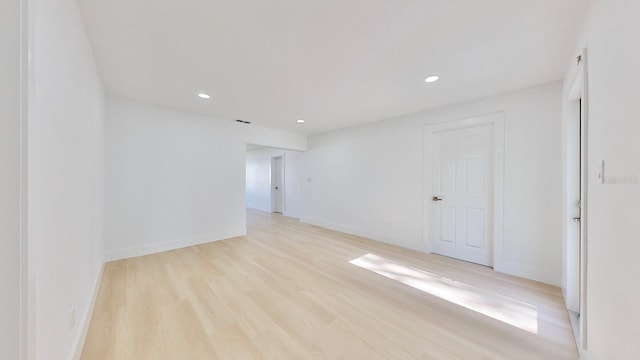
[(432, 78), (300, 121), (204, 96)]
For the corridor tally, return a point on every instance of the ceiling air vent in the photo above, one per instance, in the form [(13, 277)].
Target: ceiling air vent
[(243, 122)]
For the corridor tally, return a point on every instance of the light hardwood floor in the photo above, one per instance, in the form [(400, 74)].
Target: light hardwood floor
[(289, 290)]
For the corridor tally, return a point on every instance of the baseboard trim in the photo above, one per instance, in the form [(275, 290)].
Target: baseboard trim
[(86, 318), (154, 248), (293, 215), (584, 355), (527, 272), (499, 266), (259, 208), (387, 239)]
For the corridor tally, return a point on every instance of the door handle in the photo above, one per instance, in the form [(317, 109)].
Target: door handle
[(577, 219), (436, 198)]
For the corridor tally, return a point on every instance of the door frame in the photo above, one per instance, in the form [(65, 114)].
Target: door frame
[(496, 120), (27, 297), (577, 102), (282, 185)]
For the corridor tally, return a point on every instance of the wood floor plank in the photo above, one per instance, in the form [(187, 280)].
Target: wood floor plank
[(290, 290)]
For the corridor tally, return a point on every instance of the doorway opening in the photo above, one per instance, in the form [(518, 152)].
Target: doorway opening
[(273, 180), (576, 203), (277, 184)]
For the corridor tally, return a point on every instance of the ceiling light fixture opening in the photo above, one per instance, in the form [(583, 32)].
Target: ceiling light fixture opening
[(204, 96), (432, 78), (300, 121)]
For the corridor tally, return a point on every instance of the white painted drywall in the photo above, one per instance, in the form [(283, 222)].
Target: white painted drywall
[(613, 276), (294, 161), (176, 179), (65, 179), (268, 137), (258, 180), (368, 180), (10, 179)]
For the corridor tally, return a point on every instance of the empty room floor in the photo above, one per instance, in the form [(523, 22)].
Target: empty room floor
[(289, 290)]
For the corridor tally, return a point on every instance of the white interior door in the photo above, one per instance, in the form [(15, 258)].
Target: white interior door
[(462, 199), (574, 202), (277, 185)]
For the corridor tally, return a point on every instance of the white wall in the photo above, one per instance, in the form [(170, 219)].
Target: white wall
[(294, 161), (258, 180), (269, 137), (10, 179), (368, 180), (176, 179), (65, 178), (613, 275)]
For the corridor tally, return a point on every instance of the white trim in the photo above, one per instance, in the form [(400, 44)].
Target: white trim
[(291, 215), (78, 344), (579, 90), (153, 248), (546, 276), (497, 120), (584, 355), (584, 213), (357, 231), (25, 70)]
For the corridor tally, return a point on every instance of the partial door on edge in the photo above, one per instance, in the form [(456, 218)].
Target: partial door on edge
[(277, 185), (462, 202)]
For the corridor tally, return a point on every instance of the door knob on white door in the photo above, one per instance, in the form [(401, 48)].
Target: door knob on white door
[(436, 198)]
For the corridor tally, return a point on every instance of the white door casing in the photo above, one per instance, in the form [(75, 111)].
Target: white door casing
[(464, 166), (576, 189)]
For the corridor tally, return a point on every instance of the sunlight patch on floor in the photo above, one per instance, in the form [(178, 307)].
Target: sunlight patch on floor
[(496, 306)]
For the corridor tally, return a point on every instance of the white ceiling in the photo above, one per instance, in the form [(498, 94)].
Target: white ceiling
[(334, 63)]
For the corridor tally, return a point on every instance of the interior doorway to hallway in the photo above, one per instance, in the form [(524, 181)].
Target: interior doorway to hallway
[(277, 184), (273, 180)]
